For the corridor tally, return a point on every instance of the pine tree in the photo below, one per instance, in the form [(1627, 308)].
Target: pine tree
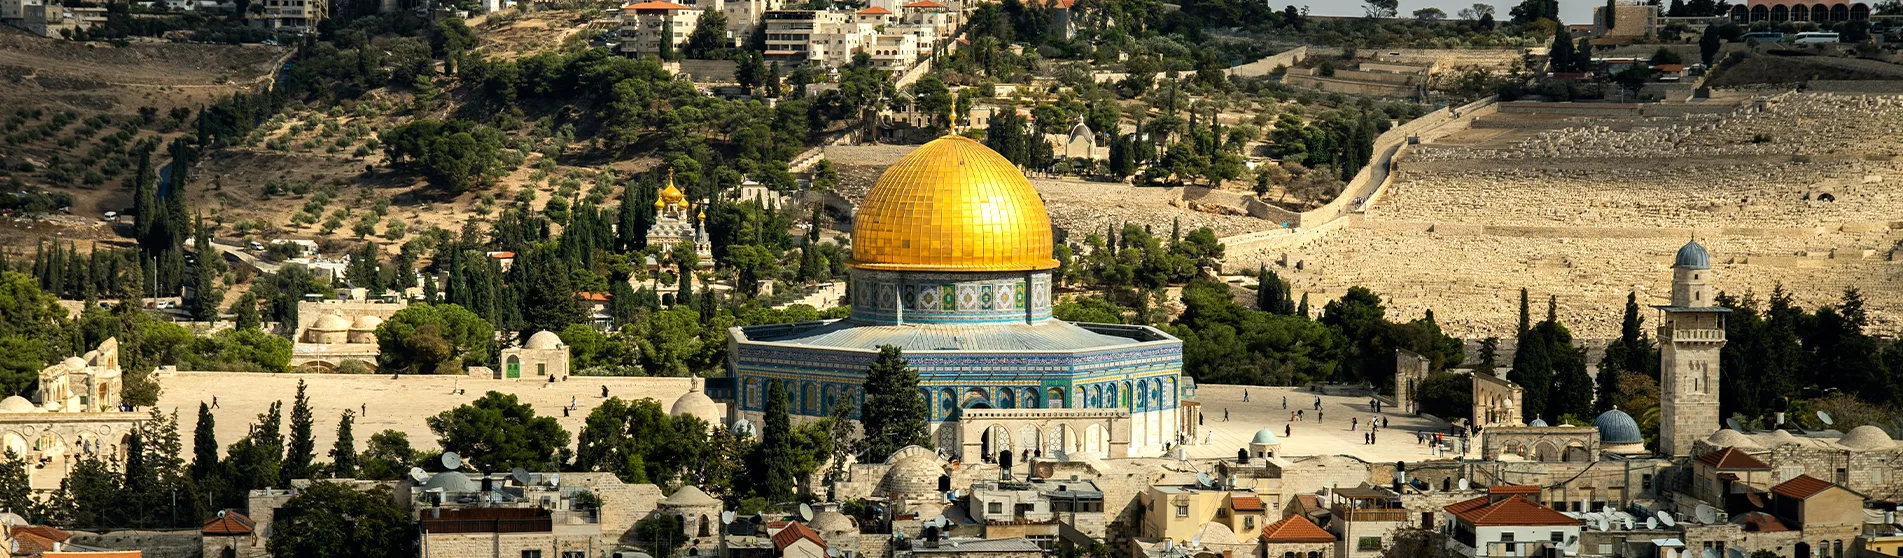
[(302, 450), (893, 413), (204, 445), (343, 455), (777, 444), (16, 491), (207, 295)]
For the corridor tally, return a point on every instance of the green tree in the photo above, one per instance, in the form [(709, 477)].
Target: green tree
[(498, 433), (1708, 44), (343, 454), (302, 448), (204, 444), (709, 39), (893, 413), (16, 492), (328, 519), (387, 456), (778, 478), (245, 312), (662, 533), (455, 155), (426, 339)]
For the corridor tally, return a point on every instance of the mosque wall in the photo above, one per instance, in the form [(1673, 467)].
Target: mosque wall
[(965, 298)]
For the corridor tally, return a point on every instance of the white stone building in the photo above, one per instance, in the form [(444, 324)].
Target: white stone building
[(645, 25)]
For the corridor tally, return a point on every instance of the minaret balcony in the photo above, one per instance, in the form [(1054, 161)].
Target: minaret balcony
[(1671, 335)]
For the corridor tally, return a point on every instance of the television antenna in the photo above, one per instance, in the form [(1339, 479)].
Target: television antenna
[(1203, 480), (417, 474), (806, 513), (1651, 523), (1825, 418), (1665, 518), (520, 475), (1706, 514), (555, 480), (726, 517), (451, 461), (1733, 424)]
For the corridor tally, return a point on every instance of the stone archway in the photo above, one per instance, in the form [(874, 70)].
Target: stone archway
[(996, 438), (1545, 452)]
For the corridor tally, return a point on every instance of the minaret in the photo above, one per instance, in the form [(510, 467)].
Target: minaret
[(1691, 332)]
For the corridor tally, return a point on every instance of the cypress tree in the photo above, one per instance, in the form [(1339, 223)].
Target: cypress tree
[(1526, 319), (145, 202), (245, 312), (1303, 309), (776, 446), (894, 413), (204, 445), (302, 448), (343, 455)]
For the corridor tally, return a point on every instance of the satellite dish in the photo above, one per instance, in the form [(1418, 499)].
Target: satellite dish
[(520, 475), (1709, 553), (1665, 518), (806, 513), (1733, 552), (555, 480), (1651, 523), (726, 517), (1196, 542), (1604, 525), (1823, 416), (417, 474), (1732, 423), (1463, 484), (1203, 480), (451, 461), (1706, 514)]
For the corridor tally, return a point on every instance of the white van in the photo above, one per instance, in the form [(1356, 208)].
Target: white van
[(1815, 37)]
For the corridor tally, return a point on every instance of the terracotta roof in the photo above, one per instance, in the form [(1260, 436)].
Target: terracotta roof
[(36, 539), (875, 10), (1060, 4), (233, 523), (1732, 458), (1760, 522), (793, 533), (507, 255), (1513, 489), (1295, 529), (1513, 511), (655, 6), (924, 4), (1246, 503), (1804, 486), (1309, 502), (1670, 67), (600, 297)]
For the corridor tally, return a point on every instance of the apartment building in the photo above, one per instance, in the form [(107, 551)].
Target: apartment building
[(47, 18), (645, 25), (293, 16), (893, 52)]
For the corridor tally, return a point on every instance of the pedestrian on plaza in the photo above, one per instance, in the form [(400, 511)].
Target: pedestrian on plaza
[(1318, 403), (1287, 429), (1318, 417), (1371, 437), (1301, 414), (604, 391), (214, 401), (1225, 414), (1245, 396), (364, 410), (1285, 402), (1384, 422), (1353, 423), (1291, 416)]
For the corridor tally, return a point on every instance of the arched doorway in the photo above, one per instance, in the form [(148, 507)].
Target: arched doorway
[(1760, 13), (1800, 12), (1840, 12), (513, 369), (1859, 12), (1780, 13), (995, 439)]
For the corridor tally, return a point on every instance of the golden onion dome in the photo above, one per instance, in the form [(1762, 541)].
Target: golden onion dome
[(952, 205), (671, 195)]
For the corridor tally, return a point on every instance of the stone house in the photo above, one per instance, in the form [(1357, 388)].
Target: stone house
[(1296, 537), (543, 357), (1513, 526), (1179, 512), (231, 535), (797, 541), (1825, 512), (1364, 518), (1718, 476)]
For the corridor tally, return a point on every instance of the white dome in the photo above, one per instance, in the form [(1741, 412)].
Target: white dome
[(452, 482), (1729, 438), (1867, 437), (913, 478), (544, 339), (696, 404), (366, 323), (1781, 437), (688, 496), (830, 523), (331, 322), (16, 404), (75, 363)]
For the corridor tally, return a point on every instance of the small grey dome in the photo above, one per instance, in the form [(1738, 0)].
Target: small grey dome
[(1692, 256), (544, 339), (1616, 427), (914, 477), (1728, 438), (1867, 437), (452, 482), (1263, 436), (689, 496), (830, 522), (1537, 422), (696, 404)]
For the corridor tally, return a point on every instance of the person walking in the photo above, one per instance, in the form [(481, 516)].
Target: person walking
[(214, 401), (1287, 429), (1353, 423), (1245, 396), (1318, 417), (363, 410), (1285, 402), (1301, 414), (604, 391), (1225, 414), (1318, 403)]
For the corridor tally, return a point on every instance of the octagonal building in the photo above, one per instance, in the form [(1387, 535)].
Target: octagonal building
[(951, 262)]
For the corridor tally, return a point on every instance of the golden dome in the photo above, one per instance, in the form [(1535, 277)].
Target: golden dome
[(671, 196), (952, 205)]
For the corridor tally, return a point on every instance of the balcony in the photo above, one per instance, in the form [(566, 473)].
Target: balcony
[(1667, 335), (1370, 514), (1533, 548)]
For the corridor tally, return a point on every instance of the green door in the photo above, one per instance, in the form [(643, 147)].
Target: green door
[(515, 368)]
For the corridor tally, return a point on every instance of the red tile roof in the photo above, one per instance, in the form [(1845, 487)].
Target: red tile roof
[(924, 4), (1513, 511), (1513, 489), (1295, 529), (875, 10), (36, 539), (1246, 503), (1804, 486), (1670, 67), (97, 554), (793, 533), (507, 255), (599, 297), (1733, 458), (233, 523), (1760, 522), (655, 6)]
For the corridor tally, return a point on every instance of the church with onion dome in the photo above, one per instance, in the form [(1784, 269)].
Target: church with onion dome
[(677, 221), (952, 263)]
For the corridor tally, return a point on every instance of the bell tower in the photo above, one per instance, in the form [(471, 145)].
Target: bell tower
[(1691, 333)]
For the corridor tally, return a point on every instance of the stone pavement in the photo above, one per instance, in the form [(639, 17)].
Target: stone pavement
[(401, 404), (1330, 436)]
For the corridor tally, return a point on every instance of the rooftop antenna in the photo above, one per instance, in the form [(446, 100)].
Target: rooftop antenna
[(1732, 423), (451, 461), (555, 480), (1665, 518), (520, 475), (1651, 523), (417, 474), (806, 513), (726, 517), (1825, 417), (1203, 480)]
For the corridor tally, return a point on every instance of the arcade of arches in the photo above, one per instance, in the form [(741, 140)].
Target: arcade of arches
[(1778, 11)]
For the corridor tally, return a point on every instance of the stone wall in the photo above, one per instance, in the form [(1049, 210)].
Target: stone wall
[(151, 544)]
